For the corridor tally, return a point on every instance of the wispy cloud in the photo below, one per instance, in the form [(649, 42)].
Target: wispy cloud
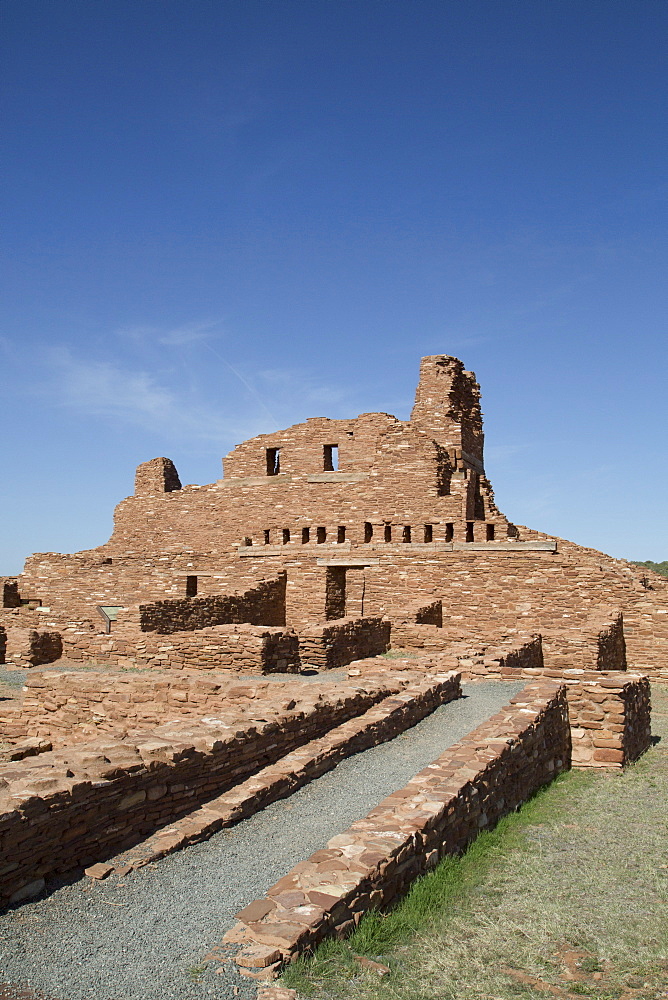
[(109, 390), (178, 336), (290, 385)]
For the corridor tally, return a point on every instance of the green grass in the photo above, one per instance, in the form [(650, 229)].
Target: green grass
[(568, 897)]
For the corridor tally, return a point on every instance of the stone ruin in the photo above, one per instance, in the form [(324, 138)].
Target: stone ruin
[(323, 546)]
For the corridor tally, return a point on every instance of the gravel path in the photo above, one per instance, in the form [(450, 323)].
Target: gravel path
[(144, 937)]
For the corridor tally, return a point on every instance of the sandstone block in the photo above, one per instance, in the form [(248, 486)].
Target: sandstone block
[(99, 871)]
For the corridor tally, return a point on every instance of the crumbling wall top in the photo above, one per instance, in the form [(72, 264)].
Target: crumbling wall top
[(157, 476), (447, 406)]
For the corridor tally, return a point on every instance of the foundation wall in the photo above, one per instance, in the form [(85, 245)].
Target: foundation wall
[(441, 810), (73, 706), (234, 648), (67, 809), (326, 647)]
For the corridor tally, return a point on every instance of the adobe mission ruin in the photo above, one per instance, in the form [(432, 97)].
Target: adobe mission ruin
[(323, 546)]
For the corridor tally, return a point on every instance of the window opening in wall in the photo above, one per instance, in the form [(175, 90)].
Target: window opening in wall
[(273, 461), (490, 532), (331, 458), (368, 531), (449, 532), (107, 561), (248, 540), (429, 532), (306, 535), (340, 534), (191, 586), (321, 535), (406, 533), (387, 533), (286, 535), (469, 531), (266, 536)]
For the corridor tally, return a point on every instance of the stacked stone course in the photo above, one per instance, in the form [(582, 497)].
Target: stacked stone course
[(69, 808), (467, 789), (326, 647)]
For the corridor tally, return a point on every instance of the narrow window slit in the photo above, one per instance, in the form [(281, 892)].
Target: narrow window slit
[(449, 532), (387, 533), (306, 536), (429, 533), (191, 586), (286, 535), (368, 531), (469, 531), (490, 532), (321, 536), (406, 533), (341, 534), (273, 461), (266, 536), (331, 457)]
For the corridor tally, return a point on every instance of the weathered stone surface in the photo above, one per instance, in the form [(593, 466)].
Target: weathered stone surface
[(99, 871)]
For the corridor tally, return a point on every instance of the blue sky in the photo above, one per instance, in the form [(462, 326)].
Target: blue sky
[(223, 217)]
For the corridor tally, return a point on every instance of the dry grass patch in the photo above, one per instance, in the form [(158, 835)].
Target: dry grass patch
[(567, 898)]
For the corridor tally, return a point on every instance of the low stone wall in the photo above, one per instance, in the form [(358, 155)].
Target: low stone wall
[(339, 642), (68, 808), (612, 645), (610, 718), (610, 711), (380, 723), (427, 638), (74, 706), (28, 647), (263, 604), (237, 648), (441, 810), (598, 644)]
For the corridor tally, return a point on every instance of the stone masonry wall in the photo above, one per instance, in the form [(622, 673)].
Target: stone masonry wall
[(68, 808), (9, 591), (234, 648), (610, 711), (27, 647), (72, 706), (337, 643), (261, 605), (442, 809)]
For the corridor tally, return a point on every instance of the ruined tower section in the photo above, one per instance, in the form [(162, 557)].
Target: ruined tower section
[(157, 476), (447, 406)]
